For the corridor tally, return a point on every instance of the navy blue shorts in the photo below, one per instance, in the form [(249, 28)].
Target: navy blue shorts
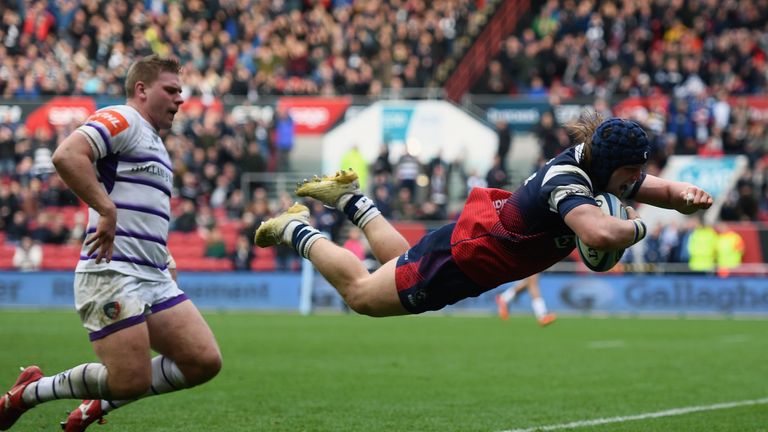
[(428, 279)]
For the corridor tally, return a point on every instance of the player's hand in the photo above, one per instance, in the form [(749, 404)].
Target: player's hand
[(103, 240), (631, 213), (172, 267), (694, 198)]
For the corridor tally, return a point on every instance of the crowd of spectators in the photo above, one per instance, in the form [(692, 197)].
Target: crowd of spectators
[(610, 48), (228, 47), (695, 62), (698, 53)]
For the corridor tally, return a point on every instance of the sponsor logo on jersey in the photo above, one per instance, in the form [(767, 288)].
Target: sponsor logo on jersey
[(110, 119), (155, 170), (112, 310), (567, 241), (498, 204), (417, 298)]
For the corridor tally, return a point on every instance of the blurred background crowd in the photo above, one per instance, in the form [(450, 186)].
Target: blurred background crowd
[(701, 54)]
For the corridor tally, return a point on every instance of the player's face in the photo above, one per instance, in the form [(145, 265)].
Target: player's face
[(164, 99), (624, 178)]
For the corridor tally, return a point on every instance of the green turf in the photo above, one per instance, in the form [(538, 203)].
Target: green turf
[(430, 373)]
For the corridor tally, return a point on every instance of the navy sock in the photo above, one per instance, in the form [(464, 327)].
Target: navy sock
[(360, 210), (304, 236)]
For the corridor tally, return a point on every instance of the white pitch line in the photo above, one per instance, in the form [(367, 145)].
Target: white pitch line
[(734, 338), (607, 344), (667, 413)]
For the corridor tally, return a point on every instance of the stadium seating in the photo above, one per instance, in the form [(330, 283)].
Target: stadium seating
[(203, 264), (264, 260), (412, 231), (6, 255), (60, 257)]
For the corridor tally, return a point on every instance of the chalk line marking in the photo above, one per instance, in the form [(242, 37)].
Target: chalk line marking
[(666, 413), (607, 344), (736, 338)]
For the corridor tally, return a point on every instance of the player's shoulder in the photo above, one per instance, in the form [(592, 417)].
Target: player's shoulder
[(569, 156), (566, 164), (116, 118)]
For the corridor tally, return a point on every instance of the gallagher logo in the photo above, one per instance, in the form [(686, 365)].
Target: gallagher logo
[(112, 310), (588, 294)]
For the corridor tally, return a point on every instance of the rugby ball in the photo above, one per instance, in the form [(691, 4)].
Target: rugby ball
[(598, 260)]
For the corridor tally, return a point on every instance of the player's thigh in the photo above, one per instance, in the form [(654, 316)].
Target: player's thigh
[(378, 294), (181, 333), (126, 353)]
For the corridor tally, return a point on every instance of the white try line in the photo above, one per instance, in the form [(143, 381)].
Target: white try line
[(667, 413), (606, 344)]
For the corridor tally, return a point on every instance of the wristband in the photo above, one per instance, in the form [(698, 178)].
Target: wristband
[(640, 229)]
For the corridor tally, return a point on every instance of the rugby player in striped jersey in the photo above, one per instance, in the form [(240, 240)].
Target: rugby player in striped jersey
[(124, 290)]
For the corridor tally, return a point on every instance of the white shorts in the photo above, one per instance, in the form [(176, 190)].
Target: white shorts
[(109, 301)]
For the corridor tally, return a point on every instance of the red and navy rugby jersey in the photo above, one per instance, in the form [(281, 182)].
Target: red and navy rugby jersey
[(502, 236)]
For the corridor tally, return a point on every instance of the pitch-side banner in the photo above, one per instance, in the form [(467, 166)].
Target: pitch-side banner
[(311, 116), (228, 290), (314, 116), (640, 294), (64, 111), (60, 111), (564, 293)]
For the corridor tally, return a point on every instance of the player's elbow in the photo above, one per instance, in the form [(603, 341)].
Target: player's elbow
[(62, 159), (58, 158)]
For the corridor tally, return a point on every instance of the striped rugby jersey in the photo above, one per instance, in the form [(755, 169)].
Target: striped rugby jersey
[(502, 236), (134, 167)]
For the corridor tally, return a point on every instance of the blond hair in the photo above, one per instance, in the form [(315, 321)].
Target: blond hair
[(582, 129), (147, 69)]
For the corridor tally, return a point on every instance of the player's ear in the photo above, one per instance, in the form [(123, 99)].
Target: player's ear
[(140, 90)]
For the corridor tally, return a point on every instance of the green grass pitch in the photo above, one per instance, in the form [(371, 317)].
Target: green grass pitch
[(284, 372)]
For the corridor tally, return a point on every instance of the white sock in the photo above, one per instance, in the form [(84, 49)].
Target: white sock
[(86, 381), (539, 307), (166, 376), (508, 295)]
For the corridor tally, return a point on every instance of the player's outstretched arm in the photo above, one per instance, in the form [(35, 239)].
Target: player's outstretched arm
[(602, 231), (684, 197)]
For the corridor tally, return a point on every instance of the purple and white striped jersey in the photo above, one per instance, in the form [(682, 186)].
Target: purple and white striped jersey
[(134, 168)]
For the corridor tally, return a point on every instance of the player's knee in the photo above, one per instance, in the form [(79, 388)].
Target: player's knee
[(205, 366), (368, 310), (359, 301), (211, 364), (356, 305)]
